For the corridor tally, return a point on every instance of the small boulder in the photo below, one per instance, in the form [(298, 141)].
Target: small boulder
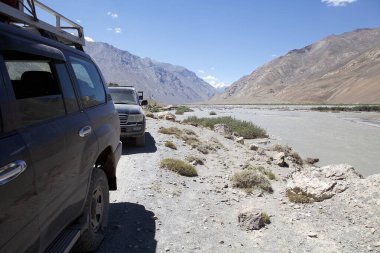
[(311, 161), (279, 160), (251, 219), (239, 140), (253, 147)]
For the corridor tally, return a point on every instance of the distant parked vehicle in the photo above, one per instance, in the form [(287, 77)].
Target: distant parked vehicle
[(128, 103)]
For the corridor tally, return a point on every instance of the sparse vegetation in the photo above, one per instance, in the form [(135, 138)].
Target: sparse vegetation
[(212, 113), (244, 129), (251, 179), (170, 131), (298, 197), (149, 115), (170, 144), (179, 166), (265, 217), (267, 172), (182, 109), (358, 108), (154, 107)]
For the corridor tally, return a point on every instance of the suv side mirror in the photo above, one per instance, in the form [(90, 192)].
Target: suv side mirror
[(144, 102)]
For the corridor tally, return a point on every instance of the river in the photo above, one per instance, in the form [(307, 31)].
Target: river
[(345, 137)]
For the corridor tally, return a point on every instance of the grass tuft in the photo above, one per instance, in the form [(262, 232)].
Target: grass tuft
[(170, 144), (297, 196), (170, 131), (250, 179), (244, 129), (179, 166), (265, 217)]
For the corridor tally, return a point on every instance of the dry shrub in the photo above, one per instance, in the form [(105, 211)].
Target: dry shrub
[(250, 179), (170, 131), (170, 144), (179, 166)]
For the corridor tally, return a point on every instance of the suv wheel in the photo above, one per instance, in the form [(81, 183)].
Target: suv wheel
[(96, 212), (140, 141)]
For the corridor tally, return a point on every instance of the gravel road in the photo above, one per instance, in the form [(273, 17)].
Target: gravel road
[(155, 210)]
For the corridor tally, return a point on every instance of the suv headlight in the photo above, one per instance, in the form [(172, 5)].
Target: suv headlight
[(135, 118)]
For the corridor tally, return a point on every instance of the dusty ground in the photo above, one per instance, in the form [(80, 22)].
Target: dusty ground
[(155, 210)]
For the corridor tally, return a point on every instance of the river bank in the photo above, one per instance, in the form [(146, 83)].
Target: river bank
[(157, 210), (346, 137)]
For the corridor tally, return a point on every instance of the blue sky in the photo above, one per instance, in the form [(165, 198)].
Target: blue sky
[(220, 40)]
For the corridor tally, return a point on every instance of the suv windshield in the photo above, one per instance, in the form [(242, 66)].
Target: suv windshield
[(124, 97)]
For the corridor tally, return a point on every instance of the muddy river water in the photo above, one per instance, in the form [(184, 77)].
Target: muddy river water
[(345, 137)]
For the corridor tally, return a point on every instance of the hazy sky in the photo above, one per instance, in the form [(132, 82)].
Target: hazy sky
[(220, 40)]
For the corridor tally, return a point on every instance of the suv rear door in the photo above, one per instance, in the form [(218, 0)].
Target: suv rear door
[(18, 195)]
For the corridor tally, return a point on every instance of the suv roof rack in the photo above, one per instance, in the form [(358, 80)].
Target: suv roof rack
[(23, 14)]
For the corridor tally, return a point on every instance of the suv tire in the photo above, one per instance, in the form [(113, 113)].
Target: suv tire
[(140, 141), (96, 212)]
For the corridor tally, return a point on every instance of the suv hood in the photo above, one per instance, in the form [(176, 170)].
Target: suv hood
[(129, 109)]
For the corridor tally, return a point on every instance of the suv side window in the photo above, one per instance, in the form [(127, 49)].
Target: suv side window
[(90, 84), (37, 92)]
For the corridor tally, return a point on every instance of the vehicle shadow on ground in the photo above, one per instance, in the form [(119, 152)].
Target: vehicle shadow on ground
[(129, 146), (132, 228)]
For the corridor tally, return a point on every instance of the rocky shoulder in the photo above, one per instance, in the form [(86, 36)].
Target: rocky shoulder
[(211, 189)]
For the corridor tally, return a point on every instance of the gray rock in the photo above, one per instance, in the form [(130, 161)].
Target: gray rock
[(239, 140), (279, 160), (251, 219), (253, 147), (310, 160), (323, 183)]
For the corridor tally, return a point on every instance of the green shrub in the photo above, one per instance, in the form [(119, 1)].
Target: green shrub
[(179, 166), (250, 179), (170, 144), (245, 129), (182, 109), (358, 108)]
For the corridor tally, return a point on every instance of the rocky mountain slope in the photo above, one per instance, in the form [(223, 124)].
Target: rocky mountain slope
[(161, 82), (337, 69)]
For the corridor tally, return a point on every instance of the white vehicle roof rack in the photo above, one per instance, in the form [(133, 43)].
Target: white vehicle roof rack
[(23, 13)]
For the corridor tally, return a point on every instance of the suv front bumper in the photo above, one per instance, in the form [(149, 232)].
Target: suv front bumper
[(132, 130)]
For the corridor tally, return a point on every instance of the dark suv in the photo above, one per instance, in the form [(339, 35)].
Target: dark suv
[(128, 104), (59, 145)]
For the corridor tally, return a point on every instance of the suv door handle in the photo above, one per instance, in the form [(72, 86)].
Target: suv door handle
[(11, 171), (85, 131)]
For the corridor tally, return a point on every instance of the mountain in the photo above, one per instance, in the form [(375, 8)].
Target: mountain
[(161, 82), (337, 69)]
